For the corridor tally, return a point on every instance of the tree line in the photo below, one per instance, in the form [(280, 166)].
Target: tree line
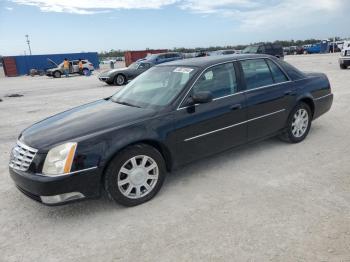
[(284, 43)]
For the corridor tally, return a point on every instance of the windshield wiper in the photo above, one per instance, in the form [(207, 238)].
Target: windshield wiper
[(125, 103)]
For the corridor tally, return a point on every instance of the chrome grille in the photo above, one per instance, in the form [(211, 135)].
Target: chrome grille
[(22, 156)]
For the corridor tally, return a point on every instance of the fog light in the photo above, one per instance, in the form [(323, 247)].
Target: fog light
[(61, 198)]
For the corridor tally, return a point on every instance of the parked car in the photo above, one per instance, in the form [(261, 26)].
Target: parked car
[(121, 76), (344, 59), (171, 115), (161, 58), (57, 72), (225, 52), (293, 50), (268, 48)]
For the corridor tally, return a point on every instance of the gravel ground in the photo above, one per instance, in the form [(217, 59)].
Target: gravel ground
[(269, 201)]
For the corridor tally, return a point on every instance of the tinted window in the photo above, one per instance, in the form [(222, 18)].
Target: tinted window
[(219, 80), (256, 73), (75, 62), (277, 73), (261, 50), (144, 65), (268, 49), (292, 72)]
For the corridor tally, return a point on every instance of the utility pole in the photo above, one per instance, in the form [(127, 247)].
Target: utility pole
[(28, 42)]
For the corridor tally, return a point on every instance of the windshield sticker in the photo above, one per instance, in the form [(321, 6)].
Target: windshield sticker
[(185, 70)]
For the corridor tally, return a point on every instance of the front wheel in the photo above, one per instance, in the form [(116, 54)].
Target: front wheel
[(298, 125), (57, 74), (135, 175), (119, 80)]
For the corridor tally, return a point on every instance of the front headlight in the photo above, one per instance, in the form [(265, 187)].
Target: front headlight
[(59, 159)]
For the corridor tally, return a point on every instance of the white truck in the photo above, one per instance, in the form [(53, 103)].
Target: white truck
[(344, 59)]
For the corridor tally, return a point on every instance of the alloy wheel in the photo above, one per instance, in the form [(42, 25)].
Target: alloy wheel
[(300, 122), (120, 80), (138, 176)]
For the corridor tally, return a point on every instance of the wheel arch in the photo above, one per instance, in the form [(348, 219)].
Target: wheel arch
[(310, 102), (163, 150)]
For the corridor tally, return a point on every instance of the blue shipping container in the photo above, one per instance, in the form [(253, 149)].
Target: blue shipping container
[(40, 62)]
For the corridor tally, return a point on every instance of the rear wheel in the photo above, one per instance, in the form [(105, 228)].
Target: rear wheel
[(299, 123), (119, 80), (57, 74), (135, 175)]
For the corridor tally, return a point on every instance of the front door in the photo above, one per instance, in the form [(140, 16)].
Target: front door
[(212, 127), (270, 96)]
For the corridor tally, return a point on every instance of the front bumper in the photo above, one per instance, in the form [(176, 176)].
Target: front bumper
[(61, 189), (104, 78), (344, 60)]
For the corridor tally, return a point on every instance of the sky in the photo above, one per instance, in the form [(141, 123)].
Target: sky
[(62, 26)]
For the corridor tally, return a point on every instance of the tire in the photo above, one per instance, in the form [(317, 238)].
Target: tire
[(342, 66), (57, 74), (296, 129), (119, 80), (126, 176)]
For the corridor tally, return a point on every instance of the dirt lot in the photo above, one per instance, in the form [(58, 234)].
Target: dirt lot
[(270, 201)]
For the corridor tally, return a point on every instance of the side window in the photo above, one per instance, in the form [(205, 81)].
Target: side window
[(219, 80), (261, 49), (277, 73), (143, 66), (269, 49), (84, 62), (75, 62), (256, 73)]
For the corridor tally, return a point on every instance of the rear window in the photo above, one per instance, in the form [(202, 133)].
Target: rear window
[(292, 72), (276, 72)]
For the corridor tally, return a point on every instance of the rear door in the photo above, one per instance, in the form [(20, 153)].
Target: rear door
[(205, 129), (270, 96)]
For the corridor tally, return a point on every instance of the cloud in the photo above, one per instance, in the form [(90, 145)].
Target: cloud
[(255, 14), (246, 14), (9, 8), (93, 6)]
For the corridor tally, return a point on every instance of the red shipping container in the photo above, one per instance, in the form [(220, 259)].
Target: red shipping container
[(133, 56), (9, 64)]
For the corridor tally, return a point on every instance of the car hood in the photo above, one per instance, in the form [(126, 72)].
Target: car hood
[(83, 121), (109, 72)]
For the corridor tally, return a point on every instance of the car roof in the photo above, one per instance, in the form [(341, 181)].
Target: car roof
[(207, 61)]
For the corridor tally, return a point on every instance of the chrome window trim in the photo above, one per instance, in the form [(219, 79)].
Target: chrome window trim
[(67, 174), (237, 124), (241, 92), (321, 97)]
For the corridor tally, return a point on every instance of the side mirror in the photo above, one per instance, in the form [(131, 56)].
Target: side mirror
[(201, 97)]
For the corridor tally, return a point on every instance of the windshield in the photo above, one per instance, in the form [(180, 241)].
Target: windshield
[(134, 66), (250, 50), (156, 87)]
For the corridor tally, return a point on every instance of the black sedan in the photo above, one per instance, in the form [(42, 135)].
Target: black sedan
[(121, 76), (169, 116)]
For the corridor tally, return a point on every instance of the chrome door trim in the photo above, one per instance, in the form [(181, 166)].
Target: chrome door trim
[(227, 127), (241, 92), (321, 97)]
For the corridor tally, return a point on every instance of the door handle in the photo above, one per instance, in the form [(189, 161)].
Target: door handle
[(236, 107)]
